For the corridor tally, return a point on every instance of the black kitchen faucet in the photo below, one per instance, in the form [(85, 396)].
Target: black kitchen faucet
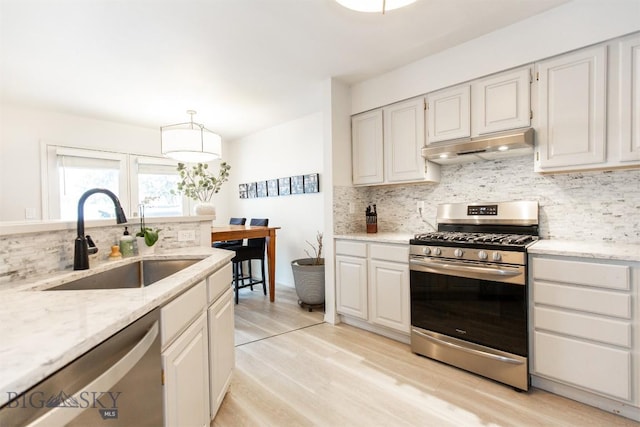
[(82, 249)]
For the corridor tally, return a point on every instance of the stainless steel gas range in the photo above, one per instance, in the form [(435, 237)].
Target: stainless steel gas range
[(468, 285)]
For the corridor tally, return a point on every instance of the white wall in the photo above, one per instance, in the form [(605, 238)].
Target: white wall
[(21, 132), (291, 148), (577, 24)]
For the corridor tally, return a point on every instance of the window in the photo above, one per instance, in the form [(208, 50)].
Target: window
[(134, 179), (155, 179)]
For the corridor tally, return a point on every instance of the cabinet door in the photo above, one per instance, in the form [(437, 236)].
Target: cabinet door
[(572, 105), (186, 377), (389, 286), (403, 140), (351, 286), (366, 140), (605, 370), (501, 102), (221, 348), (449, 114), (630, 99)]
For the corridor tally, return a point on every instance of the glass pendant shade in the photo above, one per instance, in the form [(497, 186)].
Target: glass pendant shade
[(374, 5), (190, 142)]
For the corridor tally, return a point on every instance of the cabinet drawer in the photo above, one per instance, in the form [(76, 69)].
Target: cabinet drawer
[(219, 282), (389, 252), (584, 299), (608, 331), (348, 247), (583, 273), (176, 316), (595, 367)]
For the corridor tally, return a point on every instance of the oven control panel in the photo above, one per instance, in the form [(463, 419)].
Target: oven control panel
[(469, 254), (482, 210)]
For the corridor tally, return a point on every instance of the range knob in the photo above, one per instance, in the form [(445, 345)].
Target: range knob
[(496, 256), (437, 252), (458, 252), (426, 250), (483, 255)]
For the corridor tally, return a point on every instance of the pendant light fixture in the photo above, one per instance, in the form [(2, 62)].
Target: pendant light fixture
[(374, 5), (190, 142)]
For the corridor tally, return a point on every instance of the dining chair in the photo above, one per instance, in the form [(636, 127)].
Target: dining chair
[(253, 250), (229, 244)]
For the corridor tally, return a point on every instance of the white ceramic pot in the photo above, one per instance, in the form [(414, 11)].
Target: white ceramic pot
[(205, 208), (143, 249)]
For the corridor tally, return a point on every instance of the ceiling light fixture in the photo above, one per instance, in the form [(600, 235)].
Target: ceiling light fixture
[(374, 5), (190, 142)]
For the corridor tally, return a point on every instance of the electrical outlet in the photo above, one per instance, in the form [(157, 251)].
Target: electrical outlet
[(186, 235), (352, 208), (420, 206), (29, 213)]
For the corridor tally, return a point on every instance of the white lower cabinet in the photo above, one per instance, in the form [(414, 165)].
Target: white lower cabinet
[(186, 377), (585, 330), (198, 351), (372, 285), (221, 348)]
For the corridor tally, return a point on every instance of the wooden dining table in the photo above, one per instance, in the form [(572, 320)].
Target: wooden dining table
[(238, 232)]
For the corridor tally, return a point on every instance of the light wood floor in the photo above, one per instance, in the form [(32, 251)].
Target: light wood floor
[(294, 370)]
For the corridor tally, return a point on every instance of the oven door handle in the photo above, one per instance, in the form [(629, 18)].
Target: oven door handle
[(469, 350), (453, 266)]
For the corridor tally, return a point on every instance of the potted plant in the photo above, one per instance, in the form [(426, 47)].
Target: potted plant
[(197, 183), (308, 276), (147, 236)]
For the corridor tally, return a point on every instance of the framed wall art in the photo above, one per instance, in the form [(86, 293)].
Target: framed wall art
[(243, 191), (251, 190), (311, 183), (272, 188), (261, 188), (297, 184), (284, 186)]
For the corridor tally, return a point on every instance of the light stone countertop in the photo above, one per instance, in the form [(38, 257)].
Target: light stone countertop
[(42, 331), (610, 251), (385, 237), (602, 250)]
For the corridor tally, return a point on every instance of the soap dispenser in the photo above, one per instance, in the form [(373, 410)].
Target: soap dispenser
[(126, 244)]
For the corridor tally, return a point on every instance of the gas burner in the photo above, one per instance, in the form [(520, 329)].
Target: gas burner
[(487, 238)]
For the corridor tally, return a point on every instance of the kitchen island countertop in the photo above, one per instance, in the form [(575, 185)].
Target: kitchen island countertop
[(42, 331)]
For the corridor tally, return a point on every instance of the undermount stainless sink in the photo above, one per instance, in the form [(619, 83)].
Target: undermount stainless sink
[(135, 275)]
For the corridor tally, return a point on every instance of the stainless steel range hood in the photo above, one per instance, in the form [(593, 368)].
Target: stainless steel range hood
[(517, 142)]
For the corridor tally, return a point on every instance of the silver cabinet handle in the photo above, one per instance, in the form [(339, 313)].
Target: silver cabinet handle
[(109, 378), (469, 350)]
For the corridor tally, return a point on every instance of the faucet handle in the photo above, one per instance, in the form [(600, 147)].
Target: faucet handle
[(92, 246)]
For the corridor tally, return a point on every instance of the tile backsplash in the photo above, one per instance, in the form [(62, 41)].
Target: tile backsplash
[(28, 255), (584, 206)]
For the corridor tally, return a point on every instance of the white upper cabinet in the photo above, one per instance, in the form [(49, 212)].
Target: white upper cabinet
[(630, 99), (403, 141), (449, 112), (501, 102), (366, 145), (496, 103), (387, 145), (572, 105)]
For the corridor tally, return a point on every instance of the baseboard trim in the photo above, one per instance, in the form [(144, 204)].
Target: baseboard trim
[(591, 399)]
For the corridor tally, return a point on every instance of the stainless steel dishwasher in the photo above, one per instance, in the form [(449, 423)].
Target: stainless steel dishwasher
[(117, 383)]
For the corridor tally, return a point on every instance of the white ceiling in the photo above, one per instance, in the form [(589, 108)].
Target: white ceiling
[(244, 65)]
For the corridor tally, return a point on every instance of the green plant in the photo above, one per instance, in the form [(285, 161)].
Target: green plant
[(317, 250), (150, 235), (197, 183)]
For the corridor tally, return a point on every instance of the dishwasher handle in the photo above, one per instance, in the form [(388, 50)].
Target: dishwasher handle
[(106, 380)]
